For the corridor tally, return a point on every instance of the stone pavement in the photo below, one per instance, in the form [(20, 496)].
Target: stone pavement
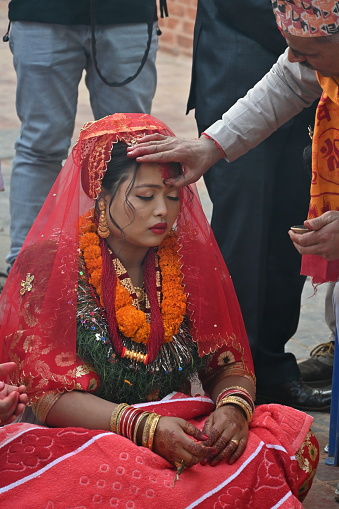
[(169, 105)]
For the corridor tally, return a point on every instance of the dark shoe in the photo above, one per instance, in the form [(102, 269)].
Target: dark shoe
[(336, 493), (297, 395), (317, 371)]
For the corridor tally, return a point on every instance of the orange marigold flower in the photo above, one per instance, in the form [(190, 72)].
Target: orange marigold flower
[(92, 252), (88, 239), (94, 264), (129, 319), (142, 333)]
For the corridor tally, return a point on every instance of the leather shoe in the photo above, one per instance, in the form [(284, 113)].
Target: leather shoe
[(298, 395)]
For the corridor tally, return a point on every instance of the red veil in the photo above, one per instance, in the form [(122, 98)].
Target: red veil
[(38, 302)]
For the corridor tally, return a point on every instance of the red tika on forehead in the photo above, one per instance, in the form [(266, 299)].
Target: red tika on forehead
[(165, 170), (312, 18)]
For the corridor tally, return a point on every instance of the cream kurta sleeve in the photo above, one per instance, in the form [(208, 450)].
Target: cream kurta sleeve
[(283, 92)]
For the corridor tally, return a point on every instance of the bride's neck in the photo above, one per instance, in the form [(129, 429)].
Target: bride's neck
[(133, 261)]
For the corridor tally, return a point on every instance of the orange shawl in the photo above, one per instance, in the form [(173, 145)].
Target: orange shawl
[(325, 173)]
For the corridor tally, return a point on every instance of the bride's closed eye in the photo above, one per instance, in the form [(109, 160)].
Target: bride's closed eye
[(147, 198), (173, 197)]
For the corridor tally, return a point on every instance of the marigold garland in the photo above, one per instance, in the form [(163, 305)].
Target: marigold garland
[(132, 322)]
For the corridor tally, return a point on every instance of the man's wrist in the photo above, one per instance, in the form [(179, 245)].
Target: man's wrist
[(219, 151)]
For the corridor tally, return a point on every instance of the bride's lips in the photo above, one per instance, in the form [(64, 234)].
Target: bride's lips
[(159, 228)]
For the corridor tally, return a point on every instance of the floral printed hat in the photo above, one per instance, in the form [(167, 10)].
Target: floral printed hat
[(312, 18)]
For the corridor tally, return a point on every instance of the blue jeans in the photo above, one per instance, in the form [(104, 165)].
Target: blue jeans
[(49, 61)]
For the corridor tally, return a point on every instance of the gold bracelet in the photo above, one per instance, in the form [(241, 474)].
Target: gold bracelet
[(234, 387), (114, 417), (236, 400), (146, 429), (152, 431), (242, 405), (140, 418), (42, 406)]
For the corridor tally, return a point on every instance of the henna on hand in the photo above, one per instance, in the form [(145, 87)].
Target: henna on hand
[(227, 423), (172, 441)]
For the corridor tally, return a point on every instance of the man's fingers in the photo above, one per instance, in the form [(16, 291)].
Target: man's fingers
[(8, 406), (6, 369), (179, 181), (23, 398)]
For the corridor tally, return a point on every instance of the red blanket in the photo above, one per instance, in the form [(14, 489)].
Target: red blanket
[(74, 468)]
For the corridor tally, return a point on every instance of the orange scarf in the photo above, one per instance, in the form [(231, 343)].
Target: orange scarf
[(325, 173)]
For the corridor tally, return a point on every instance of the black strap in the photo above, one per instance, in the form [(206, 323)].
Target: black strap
[(6, 36), (94, 51)]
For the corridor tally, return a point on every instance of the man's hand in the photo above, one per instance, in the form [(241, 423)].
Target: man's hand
[(323, 240), (12, 399), (195, 156)]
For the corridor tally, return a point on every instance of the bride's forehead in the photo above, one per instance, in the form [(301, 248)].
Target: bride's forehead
[(154, 171)]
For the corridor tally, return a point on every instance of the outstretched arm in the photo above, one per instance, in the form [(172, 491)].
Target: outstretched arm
[(196, 156), (282, 93)]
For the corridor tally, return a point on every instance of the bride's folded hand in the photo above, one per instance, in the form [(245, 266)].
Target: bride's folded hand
[(227, 430), (178, 441)]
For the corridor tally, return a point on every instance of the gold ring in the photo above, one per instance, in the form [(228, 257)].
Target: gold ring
[(180, 464), (236, 442)]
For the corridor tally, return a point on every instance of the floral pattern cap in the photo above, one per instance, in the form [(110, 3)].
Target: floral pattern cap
[(312, 18)]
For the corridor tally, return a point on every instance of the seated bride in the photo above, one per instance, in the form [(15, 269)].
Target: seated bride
[(118, 304)]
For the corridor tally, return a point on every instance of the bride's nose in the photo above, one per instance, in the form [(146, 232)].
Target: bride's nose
[(160, 209)]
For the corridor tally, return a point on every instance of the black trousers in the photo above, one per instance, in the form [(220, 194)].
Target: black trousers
[(255, 201)]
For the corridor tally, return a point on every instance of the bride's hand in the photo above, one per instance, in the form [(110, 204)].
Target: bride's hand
[(227, 429), (177, 440)]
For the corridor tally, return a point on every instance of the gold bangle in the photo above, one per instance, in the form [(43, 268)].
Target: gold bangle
[(42, 406), (146, 429), (114, 416), (240, 399), (235, 400), (137, 424), (152, 431), (231, 388)]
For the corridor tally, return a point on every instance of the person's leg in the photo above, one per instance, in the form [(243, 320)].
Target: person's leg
[(255, 246), (255, 201), (329, 312), (284, 283), (317, 370), (120, 49), (48, 64), (336, 304)]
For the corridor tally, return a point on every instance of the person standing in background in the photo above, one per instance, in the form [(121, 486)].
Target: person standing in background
[(52, 44), (260, 195)]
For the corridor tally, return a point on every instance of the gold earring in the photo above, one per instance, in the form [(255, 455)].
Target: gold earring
[(103, 230)]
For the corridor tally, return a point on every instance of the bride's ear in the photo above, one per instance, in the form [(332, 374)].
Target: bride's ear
[(103, 195)]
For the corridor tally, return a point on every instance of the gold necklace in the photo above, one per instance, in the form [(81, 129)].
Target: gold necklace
[(140, 293)]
